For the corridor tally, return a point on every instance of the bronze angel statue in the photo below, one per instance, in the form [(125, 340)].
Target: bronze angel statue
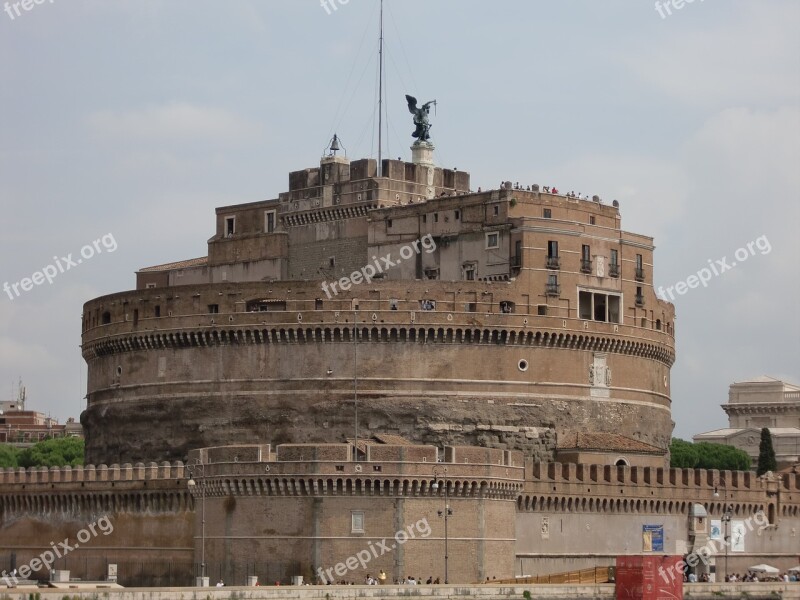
[(423, 126)]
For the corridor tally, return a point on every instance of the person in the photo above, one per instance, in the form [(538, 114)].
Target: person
[(220, 583), (436, 581), (382, 577), (430, 580), (692, 577)]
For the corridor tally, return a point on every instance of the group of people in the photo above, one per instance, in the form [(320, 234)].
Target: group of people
[(411, 580), (751, 576)]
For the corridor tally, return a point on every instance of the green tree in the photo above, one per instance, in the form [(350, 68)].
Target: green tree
[(686, 455), (9, 456), (766, 454), (682, 454), (58, 452)]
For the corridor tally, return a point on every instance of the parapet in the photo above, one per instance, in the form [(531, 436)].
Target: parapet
[(701, 479), (92, 473)]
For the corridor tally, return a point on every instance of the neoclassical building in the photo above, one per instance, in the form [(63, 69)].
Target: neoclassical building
[(755, 404), (501, 318)]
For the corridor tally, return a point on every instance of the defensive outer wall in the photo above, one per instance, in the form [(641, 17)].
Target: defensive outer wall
[(292, 511)]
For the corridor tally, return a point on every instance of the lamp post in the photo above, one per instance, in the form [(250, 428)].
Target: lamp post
[(193, 468), (726, 520), (446, 513)]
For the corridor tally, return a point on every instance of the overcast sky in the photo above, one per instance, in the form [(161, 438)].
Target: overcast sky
[(134, 119)]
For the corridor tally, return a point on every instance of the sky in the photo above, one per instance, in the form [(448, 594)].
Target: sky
[(126, 122)]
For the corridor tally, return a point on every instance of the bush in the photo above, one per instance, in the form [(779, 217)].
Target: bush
[(9, 456), (58, 452)]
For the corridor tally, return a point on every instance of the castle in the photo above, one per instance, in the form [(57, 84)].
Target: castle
[(499, 318), (385, 352)]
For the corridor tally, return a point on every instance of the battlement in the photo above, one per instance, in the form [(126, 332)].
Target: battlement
[(92, 473), (695, 479), (288, 455)]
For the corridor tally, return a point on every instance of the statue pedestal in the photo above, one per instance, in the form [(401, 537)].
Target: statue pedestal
[(422, 154)]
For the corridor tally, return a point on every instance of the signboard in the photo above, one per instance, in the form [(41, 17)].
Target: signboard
[(652, 538), (716, 530), (737, 536), (649, 578)]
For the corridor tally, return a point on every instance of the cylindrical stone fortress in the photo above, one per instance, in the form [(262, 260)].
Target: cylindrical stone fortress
[(517, 316)]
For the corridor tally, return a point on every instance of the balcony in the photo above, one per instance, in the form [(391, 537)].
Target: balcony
[(639, 300), (552, 289), (613, 270), (586, 265), (553, 262), (639, 274)]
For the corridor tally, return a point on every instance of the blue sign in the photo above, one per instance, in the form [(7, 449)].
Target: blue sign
[(653, 536)]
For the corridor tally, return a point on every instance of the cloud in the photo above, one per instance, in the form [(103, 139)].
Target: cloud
[(175, 123), (750, 55)]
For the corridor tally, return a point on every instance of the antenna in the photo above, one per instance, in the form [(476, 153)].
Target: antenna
[(355, 372), (380, 98)]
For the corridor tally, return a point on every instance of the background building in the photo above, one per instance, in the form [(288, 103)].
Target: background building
[(753, 405), (23, 428)]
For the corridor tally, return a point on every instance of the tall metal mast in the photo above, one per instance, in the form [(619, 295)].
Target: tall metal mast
[(380, 97)]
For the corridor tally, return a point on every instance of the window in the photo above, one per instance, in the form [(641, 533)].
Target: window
[(106, 318), (230, 226), (158, 310), (357, 521), (427, 304), (639, 296), (394, 304), (318, 304), (492, 240), (469, 272), (547, 213), (388, 223), (269, 221), (150, 286), (507, 307), (541, 310), (435, 217), (458, 215), (213, 309), (613, 268), (265, 305), (639, 268), (586, 259), (594, 306), (591, 220), (552, 289), (135, 317), (471, 307), (495, 210), (332, 261), (552, 255), (424, 218)]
